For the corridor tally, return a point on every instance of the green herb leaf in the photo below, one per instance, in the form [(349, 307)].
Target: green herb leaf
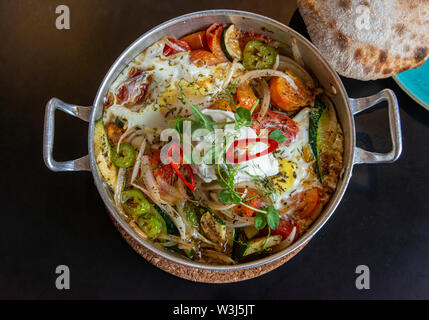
[(243, 118), (278, 136), (228, 196), (203, 120), (273, 217), (260, 221)]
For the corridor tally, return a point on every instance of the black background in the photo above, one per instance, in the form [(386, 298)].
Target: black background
[(48, 219)]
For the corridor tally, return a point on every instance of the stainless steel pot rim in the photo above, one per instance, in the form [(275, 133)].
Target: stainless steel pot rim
[(91, 114)]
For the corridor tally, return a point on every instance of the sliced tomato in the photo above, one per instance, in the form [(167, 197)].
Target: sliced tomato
[(164, 171), (196, 40), (287, 97), (213, 35), (179, 46), (245, 97), (285, 228), (222, 104), (202, 57), (254, 202), (306, 202), (276, 120)]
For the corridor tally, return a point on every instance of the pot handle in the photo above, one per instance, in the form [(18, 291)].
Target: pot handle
[(81, 164), (361, 104)]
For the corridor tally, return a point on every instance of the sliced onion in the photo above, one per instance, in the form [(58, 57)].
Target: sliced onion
[(266, 73), (237, 217), (286, 242), (218, 256), (138, 230), (266, 97), (149, 180), (230, 74), (172, 238), (138, 160), (129, 131), (118, 189), (291, 65), (296, 53), (276, 64)]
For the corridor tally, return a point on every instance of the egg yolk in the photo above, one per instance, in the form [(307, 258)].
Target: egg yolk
[(285, 180)]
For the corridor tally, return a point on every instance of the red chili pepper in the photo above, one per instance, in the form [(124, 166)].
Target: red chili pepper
[(244, 144), (181, 46), (176, 167)]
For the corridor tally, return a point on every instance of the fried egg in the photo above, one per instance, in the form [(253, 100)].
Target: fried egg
[(169, 74), (296, 172)]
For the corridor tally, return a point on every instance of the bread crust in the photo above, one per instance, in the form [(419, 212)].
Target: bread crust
[(369, 40)]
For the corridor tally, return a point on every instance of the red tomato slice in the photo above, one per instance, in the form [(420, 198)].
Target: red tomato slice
[(284, 229), (245, 97), (202, 57), (307, 202), (255, 202), (179, 46), (196, 40), (276, 120), (164, 171), (213, 35)]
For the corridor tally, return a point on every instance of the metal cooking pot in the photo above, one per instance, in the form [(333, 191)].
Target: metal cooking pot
[(346, 109)]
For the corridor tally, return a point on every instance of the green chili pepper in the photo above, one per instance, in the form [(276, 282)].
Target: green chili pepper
[(192, 217), (257, 55), (125, 158), (150, 225), (134, 202)]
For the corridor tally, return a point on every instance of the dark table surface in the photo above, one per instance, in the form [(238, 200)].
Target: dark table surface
[(49, 219)]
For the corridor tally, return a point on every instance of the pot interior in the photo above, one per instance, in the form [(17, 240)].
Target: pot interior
[(327, 77)]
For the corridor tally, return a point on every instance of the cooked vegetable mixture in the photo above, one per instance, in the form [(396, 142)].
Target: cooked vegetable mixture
[(218, 146)]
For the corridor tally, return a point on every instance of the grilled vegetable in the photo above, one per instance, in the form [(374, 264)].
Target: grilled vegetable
[(230, 43), (250, 232), (170, 226), (256, 245), (213, 227), (319, 116), (102, 150), (290, 96), (258, 55), (150, 225), (134, 202), (126, 156)]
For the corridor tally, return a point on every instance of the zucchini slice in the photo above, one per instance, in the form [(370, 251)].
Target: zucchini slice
[(213, 228), (255, 245), (102, 150), (230, 43), (250, 232), (322, 131)]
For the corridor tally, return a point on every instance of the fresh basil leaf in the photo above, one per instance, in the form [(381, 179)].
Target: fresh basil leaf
[(260, 221), (278, 136), (273, 217)]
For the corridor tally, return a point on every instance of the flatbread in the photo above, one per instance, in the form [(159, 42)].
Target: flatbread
[(369, 39)]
